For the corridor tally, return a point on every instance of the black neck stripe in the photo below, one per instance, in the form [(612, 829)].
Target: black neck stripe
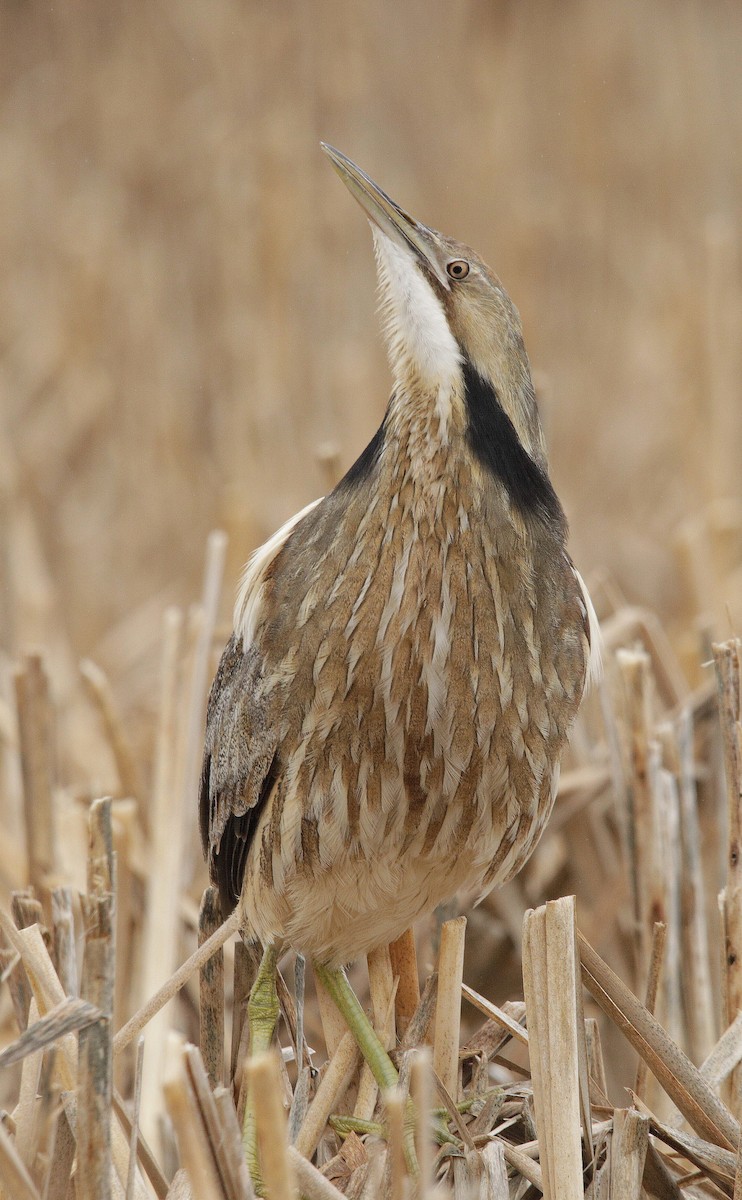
[(497, 447), (365, 465)]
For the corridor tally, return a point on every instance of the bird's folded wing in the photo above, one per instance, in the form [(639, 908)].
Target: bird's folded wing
[(243, 721), (239, 767)]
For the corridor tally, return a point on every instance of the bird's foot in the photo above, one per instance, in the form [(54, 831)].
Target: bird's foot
[(335, 983)]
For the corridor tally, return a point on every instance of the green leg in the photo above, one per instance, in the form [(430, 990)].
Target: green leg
[(262, 1018), (336, 985)]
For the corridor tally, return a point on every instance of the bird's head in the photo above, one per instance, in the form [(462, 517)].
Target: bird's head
[(449, 323)]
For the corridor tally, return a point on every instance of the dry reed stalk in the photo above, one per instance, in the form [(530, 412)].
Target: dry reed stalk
[(699, 1008), (128, 843), (496, 1014), (172, 986), (334, 1027), (628, 1154), (668, 804), (193, 1143), (403, 957), (17, 1183), (729, 682), (312, 1183), (24, 1113), (529, 1169), (367, 1095), (276, 1166), (46, 988), (65, 953), (95, 1058), (134, 1132), (71, 1016), (245, 969), (418, 1029), (167, 822), (338, 1074), (683, 1083), (495, 1172), (180, 1188), (101, 695), (632, 627), (725, 1056), (211, 990), (195, 715), (394, 1185), (421, 1091), (40, 1152), (48, 994), (35, 731), (231, 1144), (144, 1155), (383, 990), (659, 935), (595, 1061), (223, 1135), (643, 763), (551, 986), (448, 1006), (715, 1162)]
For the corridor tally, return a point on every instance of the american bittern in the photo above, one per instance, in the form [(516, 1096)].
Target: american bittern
[(409, 652)]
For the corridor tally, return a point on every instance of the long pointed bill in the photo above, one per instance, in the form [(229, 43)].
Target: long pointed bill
[(388, 216)]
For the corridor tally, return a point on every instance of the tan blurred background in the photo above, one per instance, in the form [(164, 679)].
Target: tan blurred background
[(187, 324)]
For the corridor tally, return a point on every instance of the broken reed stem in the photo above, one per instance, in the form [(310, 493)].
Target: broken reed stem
[(95, 1049), (276, 1167), (729, 684), (421, 1091), (725, 1056), (100, 693), (35, 731), (659, 936), (65, 954), (448, 1009), (683, 1083), (628, 1153), (403, 956), (551, 986), (527, 1167), (136, 1024), (394, 1104), (134, 1134), (313, 1185), (168, 823), (382, 989), (193, 1144), (700, 1009), (211, 990), (643, 762), (14, 1176), (340, 1070), (334, 1027), (496, 1014)]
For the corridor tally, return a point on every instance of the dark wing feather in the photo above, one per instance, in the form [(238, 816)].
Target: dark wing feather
[(240, 766)]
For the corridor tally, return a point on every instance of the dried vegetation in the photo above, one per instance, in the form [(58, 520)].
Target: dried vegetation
[(167, 236)]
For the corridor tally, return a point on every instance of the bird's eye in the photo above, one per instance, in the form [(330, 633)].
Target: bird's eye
[(458, 268)]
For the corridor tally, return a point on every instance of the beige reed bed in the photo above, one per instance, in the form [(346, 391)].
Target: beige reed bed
[(587, 1047)]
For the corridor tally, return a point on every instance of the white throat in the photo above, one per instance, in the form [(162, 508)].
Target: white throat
[(418, 337)]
